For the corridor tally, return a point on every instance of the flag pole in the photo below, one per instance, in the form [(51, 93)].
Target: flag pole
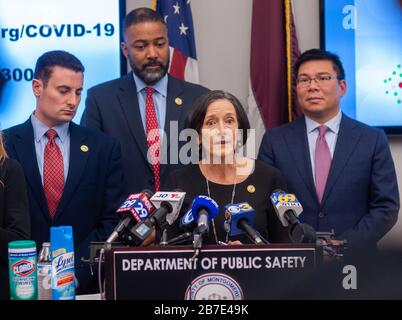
[(288, 57)]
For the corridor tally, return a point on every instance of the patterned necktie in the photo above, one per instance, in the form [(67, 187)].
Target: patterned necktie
[(153, 136), (323, 161), (53, 173)]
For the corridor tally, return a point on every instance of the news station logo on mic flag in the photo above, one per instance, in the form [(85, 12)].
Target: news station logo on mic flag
[(179, 21)]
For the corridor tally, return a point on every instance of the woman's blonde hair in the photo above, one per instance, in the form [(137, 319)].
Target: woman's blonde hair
[(3, 153)]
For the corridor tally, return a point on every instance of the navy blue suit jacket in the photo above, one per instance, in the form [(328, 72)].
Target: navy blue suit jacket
[(112, 107), (360, 200), (92, 192)]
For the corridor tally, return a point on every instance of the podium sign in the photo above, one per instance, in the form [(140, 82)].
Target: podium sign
[(217, 273)]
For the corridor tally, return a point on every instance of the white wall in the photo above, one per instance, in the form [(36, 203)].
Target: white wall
[(222, 31), (394, 237)]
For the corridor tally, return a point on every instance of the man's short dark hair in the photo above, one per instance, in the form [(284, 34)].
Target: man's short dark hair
[(196, 117), (318, 54), (140, 15), (47, 61)]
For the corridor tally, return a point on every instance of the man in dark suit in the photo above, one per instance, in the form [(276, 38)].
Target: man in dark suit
[(127, 110), (341, 170), (74, 174)]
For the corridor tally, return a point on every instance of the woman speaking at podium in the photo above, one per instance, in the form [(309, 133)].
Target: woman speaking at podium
[(222, 173)]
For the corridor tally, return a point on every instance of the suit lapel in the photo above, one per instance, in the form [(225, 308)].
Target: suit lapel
[(173, 109), (78, 161), (129, 104), (25, 149), (296, 141), (345, 144), (173, 113)]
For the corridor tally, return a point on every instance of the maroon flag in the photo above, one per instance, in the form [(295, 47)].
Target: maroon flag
[(274, 50)]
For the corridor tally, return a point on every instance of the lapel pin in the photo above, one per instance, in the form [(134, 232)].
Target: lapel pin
[(84, 148), (178, 101), (250, 188)]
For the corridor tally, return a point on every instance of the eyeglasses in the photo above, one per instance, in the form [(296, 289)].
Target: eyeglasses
[(321, 80)]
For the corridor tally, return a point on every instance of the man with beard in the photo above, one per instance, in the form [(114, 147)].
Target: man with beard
[(136, 106)]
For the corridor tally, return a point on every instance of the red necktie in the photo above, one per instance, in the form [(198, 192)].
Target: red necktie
[(53, 173), (323, 161), (153, 136)]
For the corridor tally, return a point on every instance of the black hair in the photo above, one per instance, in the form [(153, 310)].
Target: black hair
[(140, 15), (318, 54), (195, 119), (47, 61)]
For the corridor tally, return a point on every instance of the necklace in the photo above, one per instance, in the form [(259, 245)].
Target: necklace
[(231, 202)]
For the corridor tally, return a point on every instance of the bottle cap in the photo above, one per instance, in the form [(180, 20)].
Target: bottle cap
[(22, 244)]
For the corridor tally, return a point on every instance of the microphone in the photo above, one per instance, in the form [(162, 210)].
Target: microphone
[(168, 207), (180, 238), (187, 222), (239, 218), (288, 209), (203, 210), (302, 233), (134, 209)]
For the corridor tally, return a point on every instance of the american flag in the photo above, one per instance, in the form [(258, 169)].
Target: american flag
[(178, 18)]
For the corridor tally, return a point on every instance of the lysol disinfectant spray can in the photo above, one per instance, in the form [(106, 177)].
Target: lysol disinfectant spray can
[(22, 270), (62, 256)]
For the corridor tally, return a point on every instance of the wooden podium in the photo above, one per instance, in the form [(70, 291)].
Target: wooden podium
[(273, 271)]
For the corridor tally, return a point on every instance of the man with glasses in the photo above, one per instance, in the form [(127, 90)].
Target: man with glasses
[(341, 170)]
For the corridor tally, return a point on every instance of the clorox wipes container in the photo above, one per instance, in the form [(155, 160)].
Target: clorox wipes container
[(22, 270)]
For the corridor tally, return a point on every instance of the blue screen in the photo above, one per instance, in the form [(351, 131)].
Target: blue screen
[(366, 34), (88, 29)]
